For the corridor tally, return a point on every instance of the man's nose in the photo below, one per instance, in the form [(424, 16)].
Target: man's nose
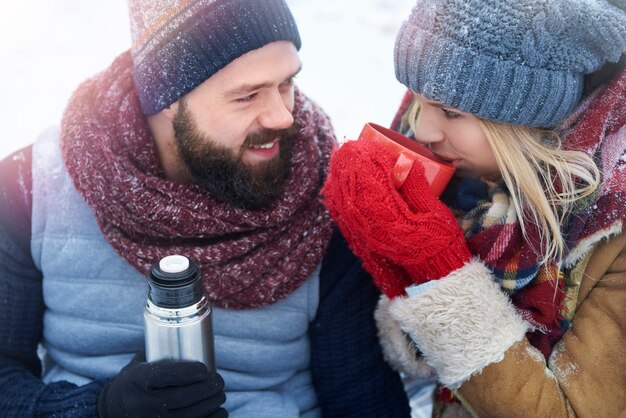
[(277, 113)]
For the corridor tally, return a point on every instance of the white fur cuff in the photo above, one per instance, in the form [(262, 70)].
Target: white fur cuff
[(398, 351), (462, 324)]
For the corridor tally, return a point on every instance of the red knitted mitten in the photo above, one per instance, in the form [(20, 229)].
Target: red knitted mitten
[(436, 246), (402, 237)]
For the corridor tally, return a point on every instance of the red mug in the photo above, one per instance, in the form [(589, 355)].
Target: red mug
[(438, 172)]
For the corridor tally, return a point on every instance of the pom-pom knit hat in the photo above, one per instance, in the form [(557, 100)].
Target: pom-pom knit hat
[(178, 44), (516, 61)]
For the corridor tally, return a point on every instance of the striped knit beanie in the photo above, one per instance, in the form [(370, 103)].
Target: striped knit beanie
[(516, 61), (178, 44)]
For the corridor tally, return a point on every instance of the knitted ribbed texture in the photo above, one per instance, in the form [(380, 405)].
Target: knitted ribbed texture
[(403, 237), (22, 394), (178, 44), (335, 347), (521, 62)]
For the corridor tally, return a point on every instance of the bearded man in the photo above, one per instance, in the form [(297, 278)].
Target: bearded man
[(194, 142)]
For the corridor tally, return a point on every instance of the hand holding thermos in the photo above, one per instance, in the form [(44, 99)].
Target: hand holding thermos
[(179, 379), (167, 388)]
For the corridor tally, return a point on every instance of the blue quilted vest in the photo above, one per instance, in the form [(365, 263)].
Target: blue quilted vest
[(93, 323)]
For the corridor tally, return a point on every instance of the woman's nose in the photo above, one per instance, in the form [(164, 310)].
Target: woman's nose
[(428, 129)]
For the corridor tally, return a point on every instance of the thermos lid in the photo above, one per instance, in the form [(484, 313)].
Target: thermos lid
[(174, 264), (175, 282)]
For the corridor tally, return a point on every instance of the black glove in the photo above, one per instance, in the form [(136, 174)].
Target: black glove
[(181, 389)]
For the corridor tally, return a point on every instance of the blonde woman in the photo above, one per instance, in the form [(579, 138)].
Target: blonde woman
[(510, 290)]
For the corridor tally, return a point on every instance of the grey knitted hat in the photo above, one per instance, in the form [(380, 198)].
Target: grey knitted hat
[(178, 44), (516, 61)]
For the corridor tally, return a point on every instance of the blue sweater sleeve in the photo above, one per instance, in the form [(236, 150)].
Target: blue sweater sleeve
[(349, 373), (22, 392)]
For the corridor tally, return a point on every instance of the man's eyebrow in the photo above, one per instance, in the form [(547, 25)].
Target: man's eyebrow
[(245, 88)]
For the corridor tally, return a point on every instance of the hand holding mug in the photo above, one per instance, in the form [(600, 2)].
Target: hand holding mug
[(403, 236), (407, 152)]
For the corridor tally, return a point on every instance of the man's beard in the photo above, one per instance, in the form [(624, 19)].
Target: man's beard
[(223, 174)]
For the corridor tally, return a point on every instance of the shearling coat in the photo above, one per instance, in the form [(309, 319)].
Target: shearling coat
[(587, 365), (497, 373)]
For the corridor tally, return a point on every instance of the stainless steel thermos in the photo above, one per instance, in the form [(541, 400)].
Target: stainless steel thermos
[(177, 316)]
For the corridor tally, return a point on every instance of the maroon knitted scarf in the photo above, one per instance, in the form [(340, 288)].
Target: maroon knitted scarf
[(248, 258)]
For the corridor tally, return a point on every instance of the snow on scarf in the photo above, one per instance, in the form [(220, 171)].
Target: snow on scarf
[(248, 258)]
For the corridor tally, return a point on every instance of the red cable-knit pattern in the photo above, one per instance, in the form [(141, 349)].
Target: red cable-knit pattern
[(403, 237)]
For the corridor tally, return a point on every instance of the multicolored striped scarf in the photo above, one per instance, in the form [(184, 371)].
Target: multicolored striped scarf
[(493, 233)]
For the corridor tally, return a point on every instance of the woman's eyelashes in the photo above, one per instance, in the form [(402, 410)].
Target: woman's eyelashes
[(450, 114)]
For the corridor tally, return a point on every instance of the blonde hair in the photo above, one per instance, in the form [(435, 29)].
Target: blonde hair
[(544, 180)]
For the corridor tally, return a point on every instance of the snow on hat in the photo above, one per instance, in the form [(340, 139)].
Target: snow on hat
[(516, 61), (178, 44)]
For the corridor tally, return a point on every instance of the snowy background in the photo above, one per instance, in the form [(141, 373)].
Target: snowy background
[(48, 47)]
